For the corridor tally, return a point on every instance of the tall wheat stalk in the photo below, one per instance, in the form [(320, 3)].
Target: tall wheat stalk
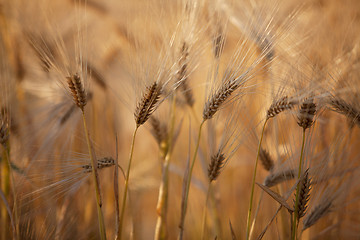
[(162, 204), (188, 182), (305, 120), (146, 106), (79, 95), (278, 106), (253, 182)]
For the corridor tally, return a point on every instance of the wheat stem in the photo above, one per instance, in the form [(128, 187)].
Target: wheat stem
[(162, 205), (96, 181), (253, 183), (294, 222), (116, 191), (127, 183), (188, 181), (205, 211)]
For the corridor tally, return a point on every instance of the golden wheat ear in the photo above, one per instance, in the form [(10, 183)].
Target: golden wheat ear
[(148, 103), (266, 160), (342, 107), (319, 211), (218, 99), (274, 179), (77, 90), (4, 132), (158, 129), (304, 195), (306, 113), (215, 166), (280, 105)]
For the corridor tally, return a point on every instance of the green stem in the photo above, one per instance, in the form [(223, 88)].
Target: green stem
[(188, 181), (294, 225), (127, 183), (205, 211), (253, 183), (96, 181)]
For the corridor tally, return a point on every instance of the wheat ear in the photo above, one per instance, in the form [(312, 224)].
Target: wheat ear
[(148, 103), (220, 96), (304, 195), (340, 106)]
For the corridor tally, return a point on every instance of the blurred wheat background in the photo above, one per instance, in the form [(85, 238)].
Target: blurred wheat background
[(214, 87)]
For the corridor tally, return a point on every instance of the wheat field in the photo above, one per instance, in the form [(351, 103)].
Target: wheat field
[(179, 119)]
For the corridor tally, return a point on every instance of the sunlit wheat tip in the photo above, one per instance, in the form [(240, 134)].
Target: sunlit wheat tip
[(148, 104), (77, 90), (215, 166), (266, 160), (279, 106), (305, 186), (306, 113)]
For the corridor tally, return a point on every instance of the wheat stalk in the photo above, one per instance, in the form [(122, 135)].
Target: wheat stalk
[(305, 120), (78, 93)]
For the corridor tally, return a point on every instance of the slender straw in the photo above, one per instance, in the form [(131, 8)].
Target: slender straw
[(160, 229), (205, 211), (127, 183), (96, 181), (188, 181), (253, 183)]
